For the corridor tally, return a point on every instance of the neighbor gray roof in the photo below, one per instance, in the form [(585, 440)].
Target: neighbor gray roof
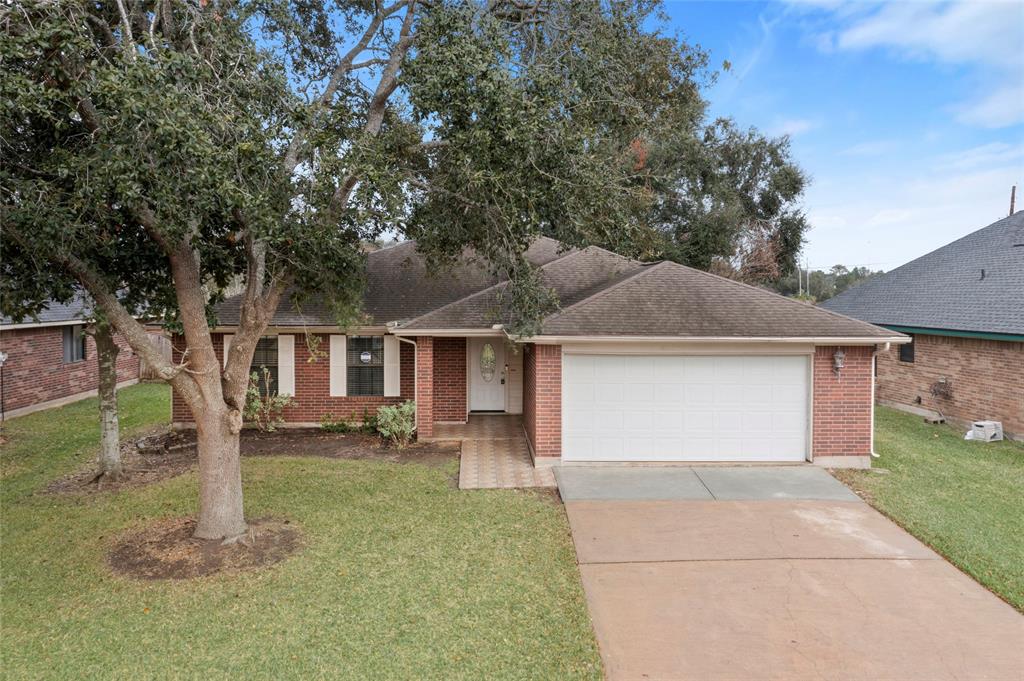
[(79, 309), (972, 284), (600, 293)]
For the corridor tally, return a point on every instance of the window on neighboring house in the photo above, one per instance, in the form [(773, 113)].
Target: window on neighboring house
[(365, 365), (74, 343), (264, 364), (907, 351)]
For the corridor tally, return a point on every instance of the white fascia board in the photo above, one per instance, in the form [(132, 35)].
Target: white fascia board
[(41, 325), (447, 332), (804, 340)]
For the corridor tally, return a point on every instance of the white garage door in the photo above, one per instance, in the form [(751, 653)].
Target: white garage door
[(671, 408)]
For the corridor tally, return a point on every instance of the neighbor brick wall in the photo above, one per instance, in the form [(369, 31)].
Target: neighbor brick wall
[(842, 404), (35, 371), (986, 377), (542, 398), (312, 385), (450, 379)]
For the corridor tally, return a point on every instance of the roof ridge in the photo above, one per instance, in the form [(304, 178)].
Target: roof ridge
[(771, 293), (644, 268), (493, 286)]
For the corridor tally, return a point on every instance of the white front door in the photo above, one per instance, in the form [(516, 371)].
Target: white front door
[(486, 374), (676, 408)]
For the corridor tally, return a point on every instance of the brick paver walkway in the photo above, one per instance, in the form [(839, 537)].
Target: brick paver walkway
[(494, 453)]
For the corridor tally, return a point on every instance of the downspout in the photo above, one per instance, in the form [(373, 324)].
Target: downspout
[(416, 376), (874, 368)]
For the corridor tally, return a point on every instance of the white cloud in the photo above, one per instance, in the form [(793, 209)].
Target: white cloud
[(870, 148), (894, 215), (793, 126), (985, 156), (1001, 108), (958, 32), (988, 36)]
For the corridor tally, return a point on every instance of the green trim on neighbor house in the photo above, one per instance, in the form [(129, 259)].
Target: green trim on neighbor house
[(953, 332)]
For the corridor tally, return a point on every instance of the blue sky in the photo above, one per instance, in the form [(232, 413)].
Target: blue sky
[(908, 117)]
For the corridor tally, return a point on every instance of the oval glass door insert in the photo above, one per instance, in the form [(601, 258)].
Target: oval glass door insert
[(487, 362)]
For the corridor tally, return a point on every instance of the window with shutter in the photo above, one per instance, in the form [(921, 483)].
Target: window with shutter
[(365, 365), (264, 365)]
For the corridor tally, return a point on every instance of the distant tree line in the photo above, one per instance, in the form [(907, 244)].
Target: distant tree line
[(819, 285)]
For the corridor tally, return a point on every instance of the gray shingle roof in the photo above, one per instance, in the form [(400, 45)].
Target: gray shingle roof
[(399, 287), (79, 309), (576, 276), (601, 294), (945, 288), (668, 299)]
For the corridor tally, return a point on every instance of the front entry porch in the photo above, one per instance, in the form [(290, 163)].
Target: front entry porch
[(494, 453)]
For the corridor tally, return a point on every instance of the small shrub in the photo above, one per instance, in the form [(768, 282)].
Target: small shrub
[(328, 423), (265, 411), (397, 423), (369, 421)]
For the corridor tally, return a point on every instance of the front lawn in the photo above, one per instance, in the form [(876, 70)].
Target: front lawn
[(965, 499), (401, 576)]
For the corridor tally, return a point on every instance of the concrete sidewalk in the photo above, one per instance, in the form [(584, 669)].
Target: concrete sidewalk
[(776, 587)]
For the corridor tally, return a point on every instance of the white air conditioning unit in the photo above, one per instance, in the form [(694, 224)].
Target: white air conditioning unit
[(987, 431)]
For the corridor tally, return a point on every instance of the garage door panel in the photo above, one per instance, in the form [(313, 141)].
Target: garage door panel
[(684, 408)]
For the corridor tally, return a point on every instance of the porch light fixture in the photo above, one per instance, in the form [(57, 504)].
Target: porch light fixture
[(838, 361)]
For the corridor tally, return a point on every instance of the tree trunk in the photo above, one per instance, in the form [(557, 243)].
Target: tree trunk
[(220, 474), (110, 443)]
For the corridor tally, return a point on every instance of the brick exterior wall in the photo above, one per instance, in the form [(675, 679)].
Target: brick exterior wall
[(35, 371), (986, 378), (450, 380), (842, 404), (312, 385), (542, 398)]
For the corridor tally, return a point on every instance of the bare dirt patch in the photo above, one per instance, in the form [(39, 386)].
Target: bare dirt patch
[(166, 454), (167, 550)]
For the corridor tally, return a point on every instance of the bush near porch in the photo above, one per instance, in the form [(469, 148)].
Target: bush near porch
[(962, 498), (402, 575)]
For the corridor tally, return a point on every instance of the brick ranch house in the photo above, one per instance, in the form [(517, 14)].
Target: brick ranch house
[(52, 361), (963, 306), (642, 362)]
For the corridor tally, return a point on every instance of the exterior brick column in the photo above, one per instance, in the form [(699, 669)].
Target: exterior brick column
[(843, 407), (542, 399), (425, 386)]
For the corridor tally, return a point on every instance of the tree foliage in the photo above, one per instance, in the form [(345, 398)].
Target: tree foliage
[(821, 285), (156, 152)]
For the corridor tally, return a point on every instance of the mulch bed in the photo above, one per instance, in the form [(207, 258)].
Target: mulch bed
[(167, 454), (167, 550)]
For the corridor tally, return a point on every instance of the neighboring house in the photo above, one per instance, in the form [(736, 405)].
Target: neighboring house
[(52, 361), (963, 305), (643, 362)]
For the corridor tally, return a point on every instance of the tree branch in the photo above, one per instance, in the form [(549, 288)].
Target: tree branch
[(378, 103), (291, 158)]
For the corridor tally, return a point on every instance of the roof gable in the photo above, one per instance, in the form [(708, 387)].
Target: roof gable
[(975, 283), (673, 300)]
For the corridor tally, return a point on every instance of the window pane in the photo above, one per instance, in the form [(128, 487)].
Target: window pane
[(73, 343), (364, 356), (265, 357)]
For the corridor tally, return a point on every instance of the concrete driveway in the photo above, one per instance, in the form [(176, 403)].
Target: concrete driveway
[(772, 573)]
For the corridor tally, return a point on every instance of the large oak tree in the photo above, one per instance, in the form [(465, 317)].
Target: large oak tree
[(154, 152)]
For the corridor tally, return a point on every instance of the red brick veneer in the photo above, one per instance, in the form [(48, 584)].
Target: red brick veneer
[(842, 404), (35, 371), (986, 378), (450, 379), (542, 398), (312, 385)]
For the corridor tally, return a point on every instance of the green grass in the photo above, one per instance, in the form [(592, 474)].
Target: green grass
[(964, 499), (402, 576)]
